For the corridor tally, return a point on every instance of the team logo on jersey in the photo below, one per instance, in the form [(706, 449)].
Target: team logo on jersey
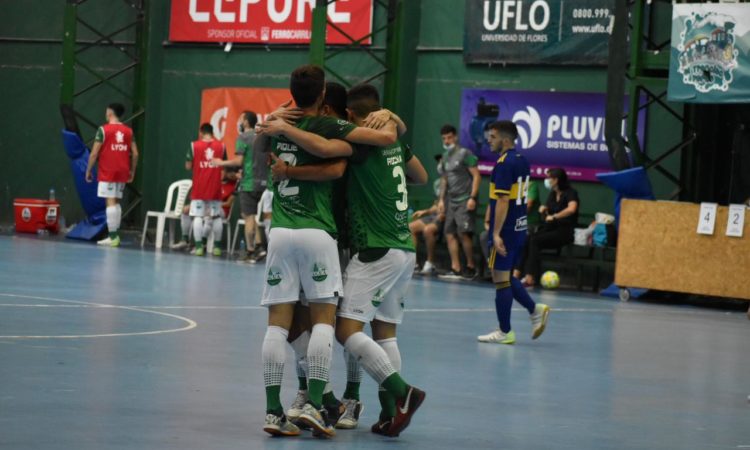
[(274, 276), (209, 154), (319, 272), (120, 137), (377, 299), (707, 52), (521, 224)]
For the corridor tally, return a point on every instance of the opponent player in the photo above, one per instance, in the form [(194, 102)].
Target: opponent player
[(302, 250), (508, 188), (117, 155), (205, 197)]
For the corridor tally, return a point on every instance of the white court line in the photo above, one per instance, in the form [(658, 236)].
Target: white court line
[(190, 323)]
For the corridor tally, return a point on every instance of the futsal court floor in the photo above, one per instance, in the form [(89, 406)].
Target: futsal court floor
[(123, 348)]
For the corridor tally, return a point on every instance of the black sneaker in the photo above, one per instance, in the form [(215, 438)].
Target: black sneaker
[(260, 254), (334, 412), (469, 273), (450, 275), (248, 257), (381, 427)]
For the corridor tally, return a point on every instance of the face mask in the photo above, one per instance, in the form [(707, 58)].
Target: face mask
[(548, 183), (449, 147)]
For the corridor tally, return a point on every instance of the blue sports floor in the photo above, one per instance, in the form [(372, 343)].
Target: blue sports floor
[(106, 348)]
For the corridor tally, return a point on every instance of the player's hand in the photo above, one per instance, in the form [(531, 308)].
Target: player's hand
[(471, 204), (441, 207), (441, 217), (377, 119), (89, 178), (486, 224), (542, 209), (274, 127), (287, 114), (217, 162), (499, 246), (279, 168), (418, 214), (549, 218)]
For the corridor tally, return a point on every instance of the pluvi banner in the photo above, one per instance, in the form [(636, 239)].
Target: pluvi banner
[(538, 31), (556, 129), (222, 107), (265, 21), (710, 54)]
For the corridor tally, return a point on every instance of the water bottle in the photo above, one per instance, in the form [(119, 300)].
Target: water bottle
[(242, 246), (52, 194)]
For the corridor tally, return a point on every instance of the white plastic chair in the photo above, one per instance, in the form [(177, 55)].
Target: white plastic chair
[(240, 223), (182, 188)]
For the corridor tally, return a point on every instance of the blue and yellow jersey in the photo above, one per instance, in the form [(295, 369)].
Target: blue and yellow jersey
[(511, 177)]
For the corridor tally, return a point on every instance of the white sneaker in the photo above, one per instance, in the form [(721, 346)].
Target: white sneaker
[(105, 241), (295, 410), (279, 426), (180, 245), (498, 337), (428, 268), (539, 320), (350, 419), (317, 421)]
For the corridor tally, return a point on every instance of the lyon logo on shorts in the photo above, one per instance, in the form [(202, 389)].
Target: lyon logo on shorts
[(319, 272)]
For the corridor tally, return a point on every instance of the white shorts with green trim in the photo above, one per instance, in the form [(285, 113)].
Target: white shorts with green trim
[(376, 290), (205, 208), (109, 189), (306, 259)]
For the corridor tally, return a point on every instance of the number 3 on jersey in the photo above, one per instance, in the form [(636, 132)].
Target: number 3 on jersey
[(284, 189), (403, 204)]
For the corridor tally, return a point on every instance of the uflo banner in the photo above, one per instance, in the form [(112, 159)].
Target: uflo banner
[(710, 58), (222, 107)]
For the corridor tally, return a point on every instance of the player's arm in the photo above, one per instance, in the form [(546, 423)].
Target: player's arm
[(487, 218), (189, 158), (378, 138), (567, 212), (441, 197), (415, 171), (92, 159), (312, 143), (476, 180), (378, 119), (325, 171), (501, 212), (133, 161)]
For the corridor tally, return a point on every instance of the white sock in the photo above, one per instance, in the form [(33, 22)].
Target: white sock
[(218, 228), (113, 218), (185, 224), (319, 352), (390, 346), (198, 229), (300, 353), (207, 227), (372, 356), (353, 368), (274, 355), (327, 389)]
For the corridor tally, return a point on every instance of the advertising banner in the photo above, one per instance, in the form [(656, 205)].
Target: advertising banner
[(710, 55), (556, 129), (538, 31), (265, 21), (222, 107)]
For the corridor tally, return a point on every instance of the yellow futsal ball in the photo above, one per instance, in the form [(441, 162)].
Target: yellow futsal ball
[(550, 280)]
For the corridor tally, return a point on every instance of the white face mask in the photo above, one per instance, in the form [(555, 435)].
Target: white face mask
[(548, 183), (449, 147)]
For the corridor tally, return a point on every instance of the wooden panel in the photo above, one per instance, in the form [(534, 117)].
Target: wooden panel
[(658, 248)]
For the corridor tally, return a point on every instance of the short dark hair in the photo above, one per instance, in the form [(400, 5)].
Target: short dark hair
[(306, 84), (207, 128), (363, 99), (117, 108), (335, 98), (505, 127), (447, 129), (251, 118), (562, 177)]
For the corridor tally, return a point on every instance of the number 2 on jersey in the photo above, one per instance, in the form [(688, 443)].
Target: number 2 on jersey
[(403, 204), (284, 189)]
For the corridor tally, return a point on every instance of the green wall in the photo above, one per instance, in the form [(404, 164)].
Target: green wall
[(32, 155)]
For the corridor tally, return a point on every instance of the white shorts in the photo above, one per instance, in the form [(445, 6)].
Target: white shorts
[(306, 258), (376, 290), (264, 205), (107, 189), (205, 208)]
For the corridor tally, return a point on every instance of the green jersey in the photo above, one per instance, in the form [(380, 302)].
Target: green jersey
[(306, 204), (377, 198)]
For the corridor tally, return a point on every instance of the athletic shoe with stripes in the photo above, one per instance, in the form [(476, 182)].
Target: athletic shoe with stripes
[(498, 337), (295, 410), (279, 426), (317, 420), (405, 409), (539, 320), (350, 418)]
